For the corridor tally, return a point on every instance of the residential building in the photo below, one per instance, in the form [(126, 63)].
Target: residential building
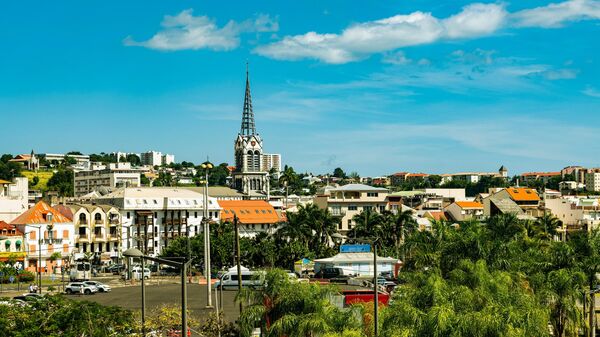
[(81, 160), (151, 217), (109, 176), (416, 199), (465, 210), (272, 162), (530, 177), (14, 198), (578, 173), (349, 200), (249, 176), (253, 216), (97, 230), (11, 246), (151, 158), (518, 200), (45, 232), (449, 194), (167, 159), (592, 181), (399, 178)]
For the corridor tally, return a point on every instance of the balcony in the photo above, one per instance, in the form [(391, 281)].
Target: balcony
[(82, 222), (112, 237), (82, 238), (99, 222), (114, 221), (52, 241)]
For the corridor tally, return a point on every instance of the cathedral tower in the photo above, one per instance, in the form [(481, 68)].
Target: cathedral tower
[(248, 176)]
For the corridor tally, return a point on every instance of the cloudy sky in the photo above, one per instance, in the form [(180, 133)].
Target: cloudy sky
[(390, 86)]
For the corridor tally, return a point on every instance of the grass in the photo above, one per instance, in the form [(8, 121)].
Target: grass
[(44, 176)]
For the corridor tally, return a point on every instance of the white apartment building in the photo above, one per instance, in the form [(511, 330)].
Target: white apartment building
[(14, 198), (592, 181), (111, 176), (151, 217), (271, 161), (167, 159), (151, 158), (154, 158), (82, 160), (352, 199)]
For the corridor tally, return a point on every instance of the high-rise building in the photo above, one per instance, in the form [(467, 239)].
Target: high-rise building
[(167, 159), (592, 181), (151, 158), (249, 176), (272, 161)]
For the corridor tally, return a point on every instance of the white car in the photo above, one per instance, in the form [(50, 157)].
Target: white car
[(103, 288), (136, 273), (76, 287)]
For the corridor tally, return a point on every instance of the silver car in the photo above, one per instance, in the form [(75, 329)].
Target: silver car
[(80, 288), (103, 288)]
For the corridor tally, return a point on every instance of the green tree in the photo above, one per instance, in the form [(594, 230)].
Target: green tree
[(339, 173), (6, 157), (62, 182), (10, 170), (35, 181)]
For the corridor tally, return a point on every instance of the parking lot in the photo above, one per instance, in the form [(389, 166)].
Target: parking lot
[(129, 297)]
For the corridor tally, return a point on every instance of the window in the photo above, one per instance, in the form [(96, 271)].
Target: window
[(352, 208), (155, 201), (340, 225), (372, 194), (128, 215), (366, 208), (195, 214), (81, 230), (336, 210), (381, 208)]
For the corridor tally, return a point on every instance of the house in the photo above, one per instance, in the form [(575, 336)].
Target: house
[(253, 216), (416, 199), (45, 231), (399, 178), (11, 245), (29, 161), (14, 198), (521, 201), (465, 210), (349, 200)]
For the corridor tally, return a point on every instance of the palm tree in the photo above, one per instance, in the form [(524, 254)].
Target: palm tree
[(548, 223), (403, 222), (562, 292)]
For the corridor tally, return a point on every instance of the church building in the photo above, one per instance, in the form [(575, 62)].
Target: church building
[(249, 176)]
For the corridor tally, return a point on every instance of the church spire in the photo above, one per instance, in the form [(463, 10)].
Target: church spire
[(248, 127)]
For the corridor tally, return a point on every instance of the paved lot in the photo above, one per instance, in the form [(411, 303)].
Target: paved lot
[(130, 298)]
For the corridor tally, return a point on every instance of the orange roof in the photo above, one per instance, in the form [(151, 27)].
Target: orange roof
[(4, 182), (469, 204), (540, 174), (417, 175), (522, 194), (249, 211), (397, 174), (437, 215), (9, 228), (37, 214)]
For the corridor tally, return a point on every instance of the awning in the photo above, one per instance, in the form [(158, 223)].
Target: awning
[(18, 242), (7, 243), (144, 213)]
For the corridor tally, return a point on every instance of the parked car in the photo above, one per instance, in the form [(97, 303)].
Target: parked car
[(334, 275), (103, 288), (75, 288), (115, 269), (170, 271)]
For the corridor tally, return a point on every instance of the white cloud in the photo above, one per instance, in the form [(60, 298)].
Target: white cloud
[(475, 20), (397, 58), (556, 14), (361, 40), (591, 91), (185, 31)]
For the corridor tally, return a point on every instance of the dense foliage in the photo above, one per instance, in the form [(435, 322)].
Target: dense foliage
[(57, 316)]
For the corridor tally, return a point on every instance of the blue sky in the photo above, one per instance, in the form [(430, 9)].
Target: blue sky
[(389, 86)]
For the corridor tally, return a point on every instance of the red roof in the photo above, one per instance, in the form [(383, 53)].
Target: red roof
[(9, 229), (38, 214)]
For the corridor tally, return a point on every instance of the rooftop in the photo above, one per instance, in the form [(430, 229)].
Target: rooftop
[(522, 194), (249, 211), (469, 204), (38, 214), (358, 188)]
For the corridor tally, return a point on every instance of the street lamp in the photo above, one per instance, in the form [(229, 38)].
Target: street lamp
[(592, 316), (206, 166), (136, 253), (372, 242)]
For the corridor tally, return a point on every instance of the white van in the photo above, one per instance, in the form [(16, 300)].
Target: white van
[(136, 273), (229, 280)]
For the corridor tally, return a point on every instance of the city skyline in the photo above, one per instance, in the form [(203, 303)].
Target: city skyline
[(390, 87)]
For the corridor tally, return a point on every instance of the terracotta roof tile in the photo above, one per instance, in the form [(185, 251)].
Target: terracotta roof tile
[(37, 214), (522, 194), (249, 211), (469, 204), (9, 228)]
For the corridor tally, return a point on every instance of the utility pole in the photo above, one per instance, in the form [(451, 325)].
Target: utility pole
[(376, 291), (238, 255)]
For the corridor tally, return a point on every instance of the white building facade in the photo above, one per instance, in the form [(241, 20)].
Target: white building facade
[(111, 175), (14, 198), (152, 217), (592, 181)]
